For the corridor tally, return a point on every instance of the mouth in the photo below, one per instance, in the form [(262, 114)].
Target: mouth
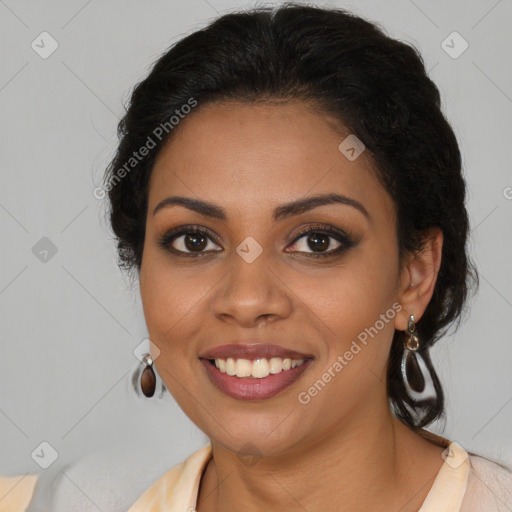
[(254, 372)]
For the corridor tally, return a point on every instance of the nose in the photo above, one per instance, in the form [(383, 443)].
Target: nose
[(251, 294)]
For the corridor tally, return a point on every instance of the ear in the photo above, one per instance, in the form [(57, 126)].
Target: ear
[(418, 278)]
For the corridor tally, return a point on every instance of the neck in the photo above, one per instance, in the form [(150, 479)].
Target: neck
[(374, 465)]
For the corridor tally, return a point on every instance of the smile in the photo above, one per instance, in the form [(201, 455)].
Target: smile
[(259, 368), (257, 379)]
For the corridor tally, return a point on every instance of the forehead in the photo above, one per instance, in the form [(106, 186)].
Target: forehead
[(261, 154)]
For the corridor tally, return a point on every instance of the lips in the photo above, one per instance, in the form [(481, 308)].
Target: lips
[(243, 350), (291, 364)]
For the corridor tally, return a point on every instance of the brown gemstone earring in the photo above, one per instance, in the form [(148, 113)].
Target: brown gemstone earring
[(148, 378), (417, 379)]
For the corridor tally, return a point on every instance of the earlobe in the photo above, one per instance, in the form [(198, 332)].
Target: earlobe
[(419, 278)]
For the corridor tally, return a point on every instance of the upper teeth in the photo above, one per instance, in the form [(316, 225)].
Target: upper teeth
[(258, 368)]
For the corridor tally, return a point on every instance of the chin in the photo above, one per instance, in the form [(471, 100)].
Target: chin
[(262, 433)]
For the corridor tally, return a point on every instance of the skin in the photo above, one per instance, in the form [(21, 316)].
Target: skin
[(344, 450)]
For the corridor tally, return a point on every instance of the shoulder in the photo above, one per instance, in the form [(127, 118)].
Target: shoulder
[(177, 488), (16, 492), (489, 486)]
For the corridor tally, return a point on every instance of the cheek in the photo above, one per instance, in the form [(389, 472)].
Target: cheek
[(351, 296), (164, 294), (353, 302), (167, 297), (357, 317), (169, 301)]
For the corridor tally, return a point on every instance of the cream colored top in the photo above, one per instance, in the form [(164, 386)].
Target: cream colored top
[(465, 483)]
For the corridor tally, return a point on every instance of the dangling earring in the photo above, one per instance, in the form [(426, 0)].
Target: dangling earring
[(148, 378), (417, 379)]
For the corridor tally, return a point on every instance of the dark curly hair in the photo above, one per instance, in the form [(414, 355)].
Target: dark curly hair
[(346, 67)]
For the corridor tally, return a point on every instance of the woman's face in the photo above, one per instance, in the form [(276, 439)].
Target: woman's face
[(255, 281)]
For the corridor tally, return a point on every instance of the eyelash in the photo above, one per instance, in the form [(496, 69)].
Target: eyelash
[(346, 240)]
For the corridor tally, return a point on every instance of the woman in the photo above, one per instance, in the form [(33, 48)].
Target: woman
[(291, 198)]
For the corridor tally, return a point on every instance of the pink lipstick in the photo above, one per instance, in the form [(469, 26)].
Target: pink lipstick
[(254, 371)]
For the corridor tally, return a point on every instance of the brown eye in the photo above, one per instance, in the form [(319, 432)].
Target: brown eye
[(319, 239), (188, 242), (195, 241)]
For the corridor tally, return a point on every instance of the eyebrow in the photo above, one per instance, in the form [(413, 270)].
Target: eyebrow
[(281, 212)]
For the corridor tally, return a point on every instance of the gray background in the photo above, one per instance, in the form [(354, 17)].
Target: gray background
[(70, 323)]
